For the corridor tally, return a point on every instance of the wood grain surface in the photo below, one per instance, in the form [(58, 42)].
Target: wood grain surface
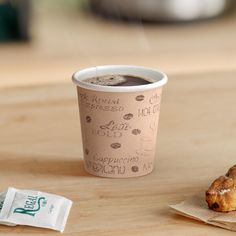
[(40, 148), (65, 40)]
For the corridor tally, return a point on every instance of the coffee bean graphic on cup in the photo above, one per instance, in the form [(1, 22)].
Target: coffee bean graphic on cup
[(139, 98), (128, 116), (115, 145), (88, 119), (136, 131), (134, 168)]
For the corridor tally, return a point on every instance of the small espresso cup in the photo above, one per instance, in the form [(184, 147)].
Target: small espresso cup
[(119, 123)]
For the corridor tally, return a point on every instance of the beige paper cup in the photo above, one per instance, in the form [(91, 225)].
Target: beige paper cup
[(119, 123)]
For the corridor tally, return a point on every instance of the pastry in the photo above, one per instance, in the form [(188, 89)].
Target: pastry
[(221, 195)]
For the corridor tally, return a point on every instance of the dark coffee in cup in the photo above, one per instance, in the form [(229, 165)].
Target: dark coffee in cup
[(117, 80)]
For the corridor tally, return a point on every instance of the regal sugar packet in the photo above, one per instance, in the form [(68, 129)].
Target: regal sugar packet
[(34, 208)]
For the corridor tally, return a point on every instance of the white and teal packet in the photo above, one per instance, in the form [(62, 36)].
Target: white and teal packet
[(34, 208), (2, 199)]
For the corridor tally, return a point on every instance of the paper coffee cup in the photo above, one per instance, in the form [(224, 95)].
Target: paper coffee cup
[(119, 123)]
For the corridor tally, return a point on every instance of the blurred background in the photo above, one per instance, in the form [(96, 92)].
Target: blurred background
[(46, 41)]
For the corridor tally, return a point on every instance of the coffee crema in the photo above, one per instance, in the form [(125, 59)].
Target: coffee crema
[(117, 80)]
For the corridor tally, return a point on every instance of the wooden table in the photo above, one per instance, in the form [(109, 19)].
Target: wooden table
[(40, 148), (40, 143), (66, 40)]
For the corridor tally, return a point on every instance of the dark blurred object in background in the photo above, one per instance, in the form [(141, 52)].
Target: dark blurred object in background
[(14, 20), (161, 10)]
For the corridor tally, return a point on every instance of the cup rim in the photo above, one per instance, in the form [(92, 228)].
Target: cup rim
[(157, 77)]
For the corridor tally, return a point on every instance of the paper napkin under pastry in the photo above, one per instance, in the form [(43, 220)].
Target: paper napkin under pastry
[(196, 207)]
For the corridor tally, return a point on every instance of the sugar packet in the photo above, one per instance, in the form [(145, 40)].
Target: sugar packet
[(2, 199), (35, 208)]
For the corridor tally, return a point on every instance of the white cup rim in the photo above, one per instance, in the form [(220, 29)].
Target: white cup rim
[(157, 77)]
